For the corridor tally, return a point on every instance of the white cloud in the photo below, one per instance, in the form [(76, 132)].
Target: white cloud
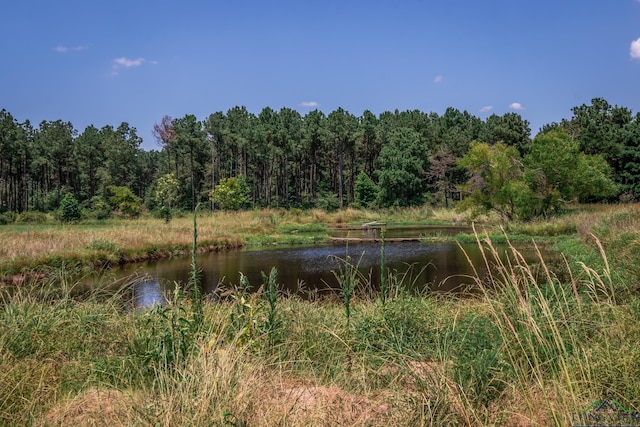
[(634, 51), (438, 79), (486, 108), (65, 49), (516, 106), (128, 63), (124, 62), (309, 104)]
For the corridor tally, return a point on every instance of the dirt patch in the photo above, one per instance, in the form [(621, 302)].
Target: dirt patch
[(302, 405), (94, 407)]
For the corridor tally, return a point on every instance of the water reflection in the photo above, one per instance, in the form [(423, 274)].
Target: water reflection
[(148, 293), (433, 266), (422, 266)]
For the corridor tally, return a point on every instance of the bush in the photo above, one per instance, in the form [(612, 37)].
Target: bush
[(231, 194), (123, 199), (32, 217), (327, 201), (366, 190), (70, 209), (99, 208), (8, 218)]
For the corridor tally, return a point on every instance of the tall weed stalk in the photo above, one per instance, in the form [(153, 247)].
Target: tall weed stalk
[(545, 326), (383, 276)]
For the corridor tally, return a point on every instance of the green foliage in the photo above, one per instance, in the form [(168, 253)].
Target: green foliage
[(8, 218), (349, 279), (31, 217), (273, 323), (70, 209), (244, 317), (476, 345), (99, 208), (231, 194), (400, 326), (252, 319), (167, 336), (327, 201), (123, 199), (402, 166), (495, 178), (366, 190), (553, 174), (558, 173), (166, 194)]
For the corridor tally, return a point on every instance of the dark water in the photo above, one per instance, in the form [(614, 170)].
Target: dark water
[(421, 266)]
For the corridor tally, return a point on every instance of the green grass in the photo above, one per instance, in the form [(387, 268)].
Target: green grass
[(530, 348)]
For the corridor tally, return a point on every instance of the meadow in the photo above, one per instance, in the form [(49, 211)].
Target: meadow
[(537, 344)]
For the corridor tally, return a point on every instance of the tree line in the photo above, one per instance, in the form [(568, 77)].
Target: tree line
[(286, 159)]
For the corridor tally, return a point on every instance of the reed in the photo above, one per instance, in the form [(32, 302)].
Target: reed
[(529, 347)]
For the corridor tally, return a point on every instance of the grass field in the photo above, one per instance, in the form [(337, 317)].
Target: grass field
[(521, 352)]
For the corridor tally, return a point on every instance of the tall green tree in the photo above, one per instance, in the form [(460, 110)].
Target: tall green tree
[(599, 129), (341, 127), (403, 162), (629, 175), (510, 129), (90, 153), (314, 142), (558, 173), (495, 179), (190, 139)]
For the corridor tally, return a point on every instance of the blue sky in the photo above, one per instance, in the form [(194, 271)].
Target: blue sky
[(105, 62)]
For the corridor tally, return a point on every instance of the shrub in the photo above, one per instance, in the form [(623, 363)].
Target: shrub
[(99, 208), (231, 194), (70, 209), (8, 217), (123, 199), (32, 217)]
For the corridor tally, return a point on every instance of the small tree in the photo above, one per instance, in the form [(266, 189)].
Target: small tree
[(123, 199), (366, 190), (495, 181), (231, 194), (69, 208), (166, 194)]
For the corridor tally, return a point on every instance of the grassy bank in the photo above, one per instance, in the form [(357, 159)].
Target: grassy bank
[(521, 352), (25, 247)]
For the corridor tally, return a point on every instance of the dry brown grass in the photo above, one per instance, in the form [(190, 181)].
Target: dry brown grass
[(94, 407)]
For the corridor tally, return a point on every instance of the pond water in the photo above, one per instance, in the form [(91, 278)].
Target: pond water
[(304, 270)]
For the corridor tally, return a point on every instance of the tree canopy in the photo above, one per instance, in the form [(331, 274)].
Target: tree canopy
[(317, 160)]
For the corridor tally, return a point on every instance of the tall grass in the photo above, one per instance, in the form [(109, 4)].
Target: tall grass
[(558, 338), (528, 348)]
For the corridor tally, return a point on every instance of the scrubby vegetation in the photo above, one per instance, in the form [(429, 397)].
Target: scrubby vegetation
[(520, 351)]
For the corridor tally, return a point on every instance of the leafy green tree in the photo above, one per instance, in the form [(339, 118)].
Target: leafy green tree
[(341, 126), (599, 129), (630, 159), (366, 190), (314, 143), (231, 193), (495, 179), (167, 187), (89, 151), (190, 138), (558, 173), (510, 129), (99, 208), (70, 209), (123, 199), (402, 162)]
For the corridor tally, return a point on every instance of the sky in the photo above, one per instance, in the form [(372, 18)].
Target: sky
[(107, 62)]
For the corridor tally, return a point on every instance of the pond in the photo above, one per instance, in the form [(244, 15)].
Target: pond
[(311, 270)]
